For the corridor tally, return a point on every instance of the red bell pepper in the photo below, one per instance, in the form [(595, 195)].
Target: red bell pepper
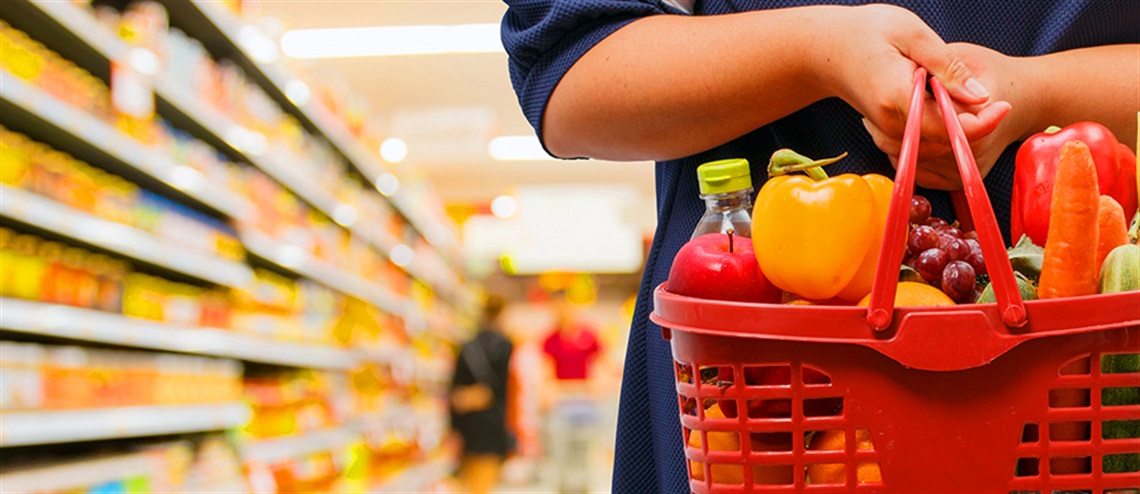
[(1037, 165)]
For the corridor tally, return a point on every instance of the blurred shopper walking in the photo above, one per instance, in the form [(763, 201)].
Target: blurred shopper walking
[(479, 401), (572, 422)]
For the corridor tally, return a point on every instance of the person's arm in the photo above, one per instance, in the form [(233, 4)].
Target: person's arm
[(669, 86), (1098, 84)]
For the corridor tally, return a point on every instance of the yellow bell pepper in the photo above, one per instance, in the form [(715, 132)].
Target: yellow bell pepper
[(819, 237)]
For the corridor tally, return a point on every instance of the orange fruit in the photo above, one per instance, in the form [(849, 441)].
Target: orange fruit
[(836, 473), (718, 441), (734, 473), (914, 294)]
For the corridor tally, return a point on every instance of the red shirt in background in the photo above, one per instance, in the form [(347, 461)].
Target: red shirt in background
[(571, 354)]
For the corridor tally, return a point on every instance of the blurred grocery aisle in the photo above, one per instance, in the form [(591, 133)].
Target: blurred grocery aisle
[(240, 255)]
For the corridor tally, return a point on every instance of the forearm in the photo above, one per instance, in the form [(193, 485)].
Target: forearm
[(1100, 84), (670, 86)]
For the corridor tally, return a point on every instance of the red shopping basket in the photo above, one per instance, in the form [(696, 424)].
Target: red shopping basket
[(1014, 397)]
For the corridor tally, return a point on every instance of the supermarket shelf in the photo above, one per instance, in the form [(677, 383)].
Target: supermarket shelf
[(274, 79), (297, 446), (294, 259), (105, 139), (91, 325), (32, 209), (50, 427), (281, 168), (416, 478), (61, 477)]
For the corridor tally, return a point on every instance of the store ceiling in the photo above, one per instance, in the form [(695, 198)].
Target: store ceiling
[(404, 89)]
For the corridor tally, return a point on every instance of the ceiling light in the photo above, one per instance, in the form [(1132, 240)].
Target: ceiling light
[(297, 92), (392, 40), (393, 150), (400, 255), (504, 206), (258, 45), (517, 148), (387, 184)]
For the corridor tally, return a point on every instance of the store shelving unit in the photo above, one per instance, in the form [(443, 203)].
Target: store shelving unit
[(66, 426), (212, 22), (91, 139), (41, 212), (104, 140), (61, 321), (64, 476), (219, 130)]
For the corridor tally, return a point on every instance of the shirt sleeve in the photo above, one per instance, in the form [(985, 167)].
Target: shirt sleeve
[(544, 38)]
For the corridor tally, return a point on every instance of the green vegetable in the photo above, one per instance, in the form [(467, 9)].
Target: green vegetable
[(1028, 290), (1026, 258), (1121, 270), (1120, 429)]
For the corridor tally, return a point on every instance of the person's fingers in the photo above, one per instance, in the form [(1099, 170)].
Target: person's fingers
[(985, 121), (929, 51), (892, 147)]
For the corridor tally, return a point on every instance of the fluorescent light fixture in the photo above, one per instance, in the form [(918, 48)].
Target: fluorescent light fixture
[(298, 92), (517, 148), (393, 150), (392, 40), (258, 45), (387, 184), (400, 255), (504, 206), (344, 214)]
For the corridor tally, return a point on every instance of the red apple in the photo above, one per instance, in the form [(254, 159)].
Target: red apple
[(720, 266)]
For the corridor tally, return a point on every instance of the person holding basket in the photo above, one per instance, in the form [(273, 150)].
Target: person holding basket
[(684, 82)]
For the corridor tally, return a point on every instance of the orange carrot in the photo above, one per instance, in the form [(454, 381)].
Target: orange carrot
[(1069, 267), (1113, 229)]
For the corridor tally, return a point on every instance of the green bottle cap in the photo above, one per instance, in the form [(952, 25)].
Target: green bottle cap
[(719, 177)]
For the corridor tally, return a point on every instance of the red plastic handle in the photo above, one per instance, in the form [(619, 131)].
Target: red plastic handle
[(881, 306), (882, 302), (993, 248)]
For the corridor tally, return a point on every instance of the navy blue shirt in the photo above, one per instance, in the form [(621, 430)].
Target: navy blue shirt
[(545, 37)]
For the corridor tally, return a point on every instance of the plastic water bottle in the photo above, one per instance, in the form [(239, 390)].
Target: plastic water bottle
[(726, 187)]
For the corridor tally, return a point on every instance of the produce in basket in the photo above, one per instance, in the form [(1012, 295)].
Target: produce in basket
[(836, 473), (818, 237), (1033, 182), (1121, 270), (1113, 231), (941, 255), (914, 294), (730, 441), (720, 266), (1069, 266)]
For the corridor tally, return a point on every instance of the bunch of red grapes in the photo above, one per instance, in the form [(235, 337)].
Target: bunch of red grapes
[(943, 255)]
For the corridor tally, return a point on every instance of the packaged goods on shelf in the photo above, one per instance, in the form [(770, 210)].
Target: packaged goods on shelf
[(289, 310), (31, 61), (38, 168), (51, 377), (46, 271), (296, 403)]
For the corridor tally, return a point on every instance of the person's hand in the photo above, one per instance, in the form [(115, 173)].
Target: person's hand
[(986, 126), (870, 64)]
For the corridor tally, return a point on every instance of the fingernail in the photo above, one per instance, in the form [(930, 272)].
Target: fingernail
[(866, 125), (976, 88)]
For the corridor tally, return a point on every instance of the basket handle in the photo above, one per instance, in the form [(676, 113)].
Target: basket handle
[(881, 306)]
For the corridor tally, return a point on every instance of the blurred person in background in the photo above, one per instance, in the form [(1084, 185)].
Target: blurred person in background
[(571, 349), (479, 401)]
